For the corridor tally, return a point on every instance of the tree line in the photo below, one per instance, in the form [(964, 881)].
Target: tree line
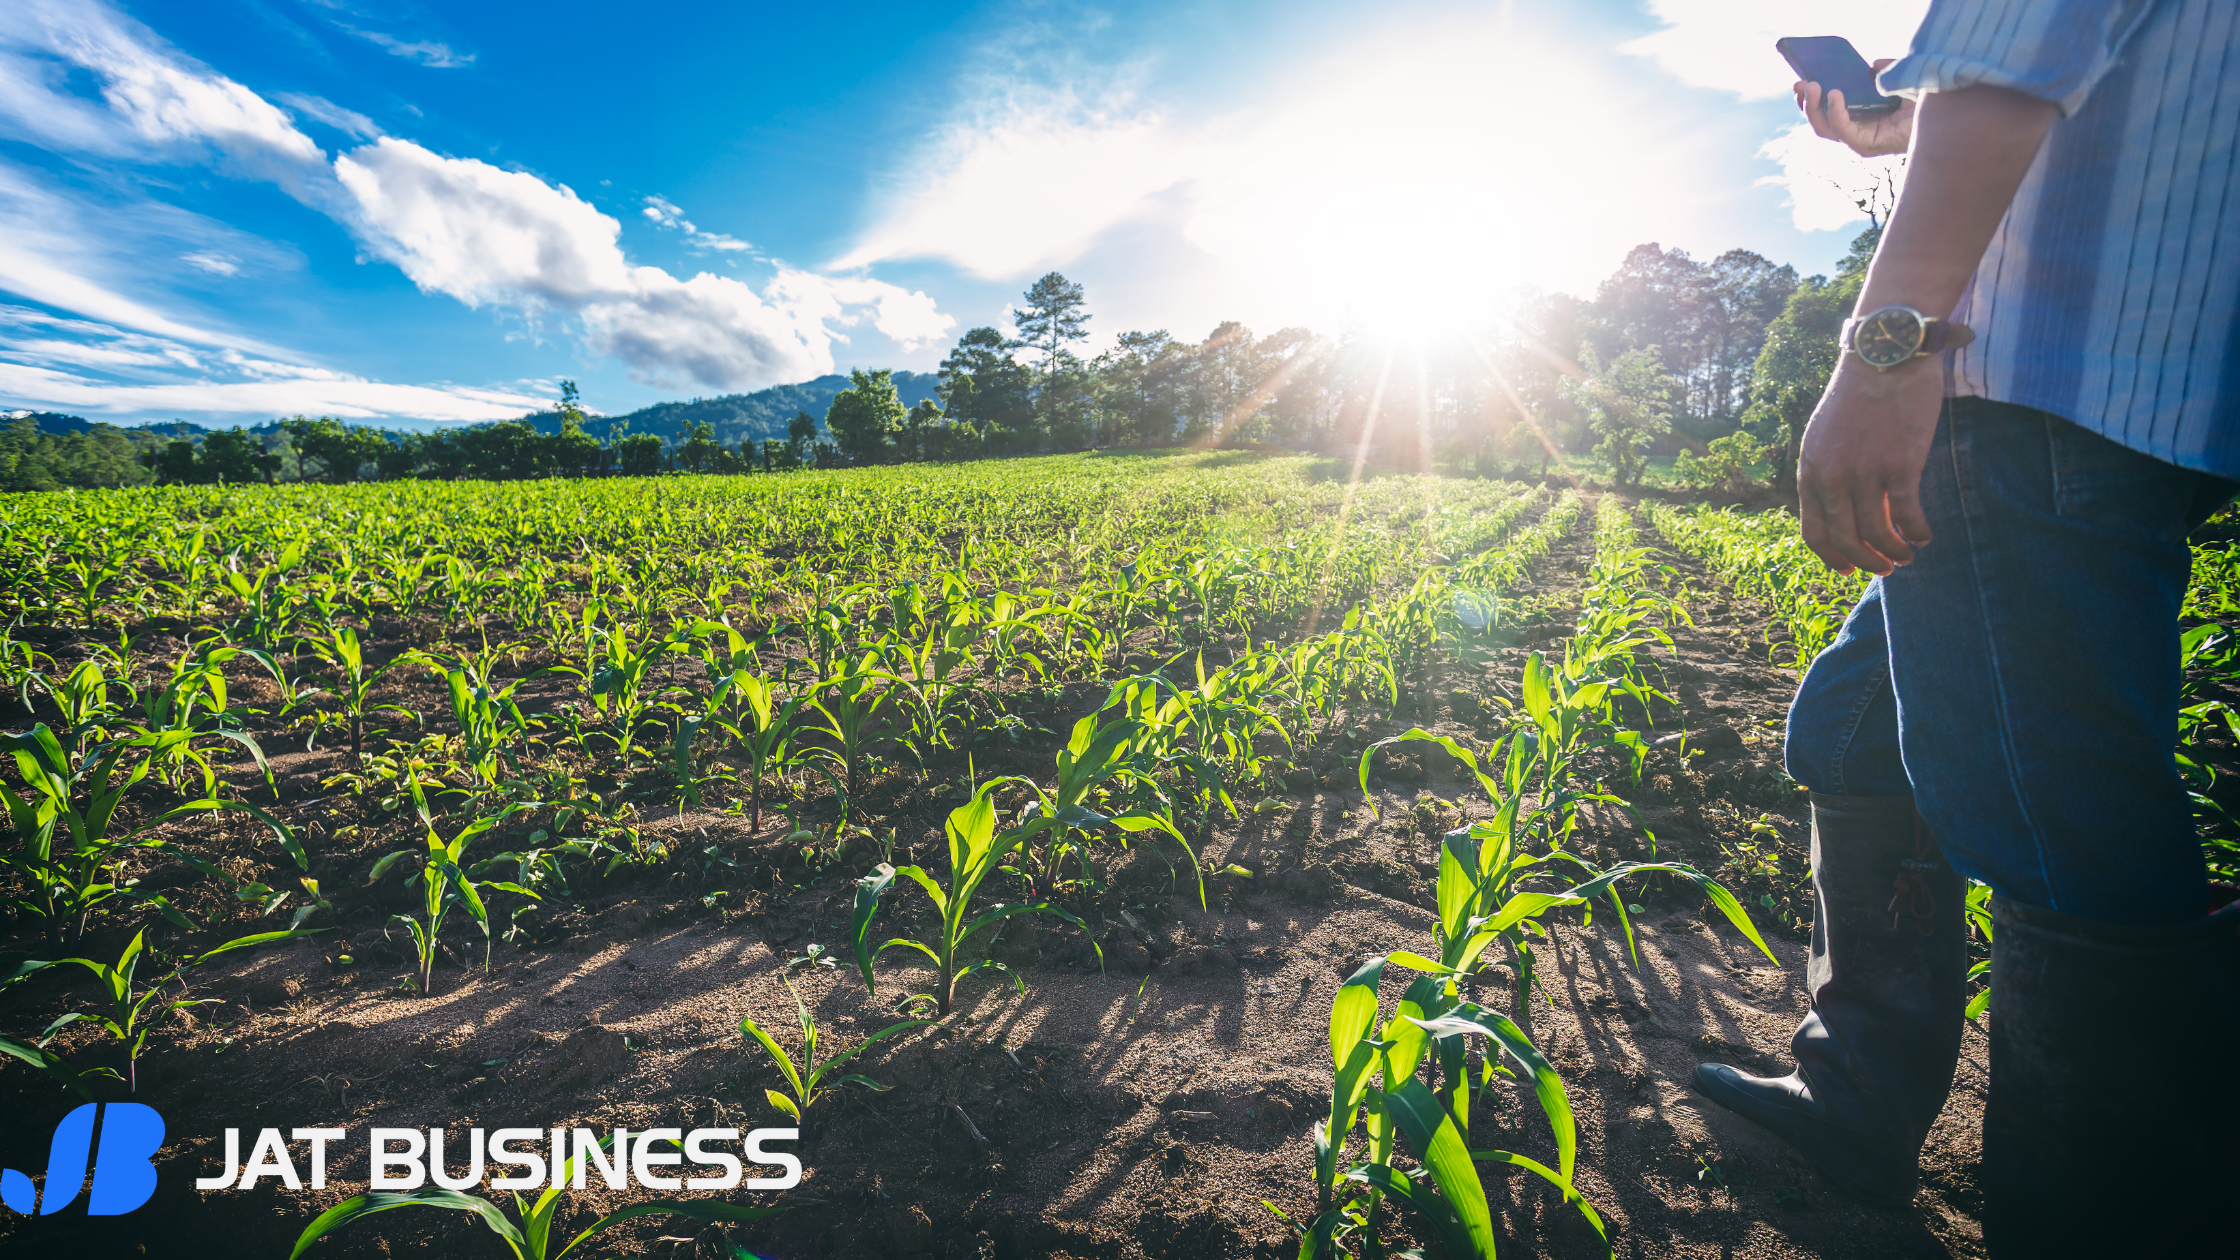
[(1714, 363)]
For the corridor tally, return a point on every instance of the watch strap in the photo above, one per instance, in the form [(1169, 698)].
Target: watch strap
[(1940, 335)]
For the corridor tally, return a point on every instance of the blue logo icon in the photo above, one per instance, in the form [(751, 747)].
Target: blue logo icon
[(124, 1171)]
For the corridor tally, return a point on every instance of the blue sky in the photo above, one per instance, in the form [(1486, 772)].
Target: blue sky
[(227, 210)]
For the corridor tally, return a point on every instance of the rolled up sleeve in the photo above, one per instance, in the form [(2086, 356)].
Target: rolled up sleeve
[(2055, 50)]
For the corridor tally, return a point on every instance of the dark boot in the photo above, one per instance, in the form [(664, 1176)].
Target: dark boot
[(2112, 1126), (1889, 959)]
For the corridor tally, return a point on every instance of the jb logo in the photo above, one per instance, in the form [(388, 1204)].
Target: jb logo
[(124, 1174)]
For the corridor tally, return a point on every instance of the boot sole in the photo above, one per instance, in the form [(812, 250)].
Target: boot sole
[(1832, 1149)]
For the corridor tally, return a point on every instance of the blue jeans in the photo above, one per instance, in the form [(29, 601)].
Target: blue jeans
[(2020, 678)]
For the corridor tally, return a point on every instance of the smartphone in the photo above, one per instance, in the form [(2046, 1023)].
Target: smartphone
[(1831, 62)]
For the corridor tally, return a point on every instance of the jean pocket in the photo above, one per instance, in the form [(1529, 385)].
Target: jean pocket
[(2112, 485)]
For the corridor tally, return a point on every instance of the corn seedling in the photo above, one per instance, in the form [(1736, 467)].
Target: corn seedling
[(976, 851), (133, 1010), (445, 883), (806, 1078)]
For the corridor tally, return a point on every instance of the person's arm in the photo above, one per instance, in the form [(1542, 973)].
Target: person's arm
[(1859, 470)]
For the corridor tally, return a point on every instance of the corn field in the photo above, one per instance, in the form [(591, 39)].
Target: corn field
[(943, 737)]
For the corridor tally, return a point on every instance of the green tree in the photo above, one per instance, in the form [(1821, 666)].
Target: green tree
[(639, 454), (1629, 405), (700, 448), (101, 455), (801, 435), (340, 450), (442, 455), (571, 451), (399, 458), (913, 443), (983, 386), (1800, 355), (1052, 319), (236, 455), (865, 417), (173, 462)]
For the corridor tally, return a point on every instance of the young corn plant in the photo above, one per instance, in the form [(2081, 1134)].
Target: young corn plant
[(806, 1078), (1067, 826), (490, 719), (849, 704), (1484, 869), (1376, 1086), (765, 732), (353, 682), (193, 705), (133, 1010), (531, 1233), (621, 682), (445, 883), (66, 845), (976, 851)]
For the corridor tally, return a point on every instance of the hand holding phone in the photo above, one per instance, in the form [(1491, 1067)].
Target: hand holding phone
[(1837, 93)]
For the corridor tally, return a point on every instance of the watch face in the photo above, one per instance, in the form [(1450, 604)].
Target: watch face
[(1887, 337)]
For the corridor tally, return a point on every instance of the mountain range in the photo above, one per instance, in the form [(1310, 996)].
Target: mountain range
[(734, 417)]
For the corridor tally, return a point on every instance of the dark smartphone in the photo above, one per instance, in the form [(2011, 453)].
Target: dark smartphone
[(1831, 62)]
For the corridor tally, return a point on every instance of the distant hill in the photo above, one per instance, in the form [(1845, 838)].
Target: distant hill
[(56, 423), (762, 414)]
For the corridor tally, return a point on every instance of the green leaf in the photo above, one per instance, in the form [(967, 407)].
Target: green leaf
[(1469, 1017), (868, 891), (364, 1205), (46, 1062)]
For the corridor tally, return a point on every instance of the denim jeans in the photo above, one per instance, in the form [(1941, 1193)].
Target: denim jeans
[(2020, 678)]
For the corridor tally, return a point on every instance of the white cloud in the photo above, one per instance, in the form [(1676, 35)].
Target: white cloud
[(1728, 44), (480, 234), (1076, 168), (665, 214), (710, 328), (1826, 182), (427, 52), (47, 361), (47, 254), (215, 263), (468, 229), (161, 104), (349, 398), (1410, 176), (455, 226), (910, 319), (320, 109)]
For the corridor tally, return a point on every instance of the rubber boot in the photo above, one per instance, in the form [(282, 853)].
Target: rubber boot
[(1876, 1053), (2112, 1127)]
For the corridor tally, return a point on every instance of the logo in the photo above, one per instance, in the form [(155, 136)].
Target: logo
[(124, 1171)]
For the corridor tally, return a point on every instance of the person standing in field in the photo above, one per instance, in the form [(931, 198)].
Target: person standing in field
[(2039, 397)]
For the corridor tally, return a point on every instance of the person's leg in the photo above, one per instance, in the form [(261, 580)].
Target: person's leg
[(1875, 1053), (1843, 724), (2034, 650), (2035, 661)]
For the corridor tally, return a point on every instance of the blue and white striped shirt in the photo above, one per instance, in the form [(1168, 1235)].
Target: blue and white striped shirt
[(2111, 294)]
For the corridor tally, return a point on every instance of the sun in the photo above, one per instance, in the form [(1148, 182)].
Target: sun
[(1418, 188)]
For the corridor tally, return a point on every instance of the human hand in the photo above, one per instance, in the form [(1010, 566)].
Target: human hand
[(1859, 466), (1870, 135)]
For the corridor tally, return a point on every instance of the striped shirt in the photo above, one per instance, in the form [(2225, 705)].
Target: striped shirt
[(2111, 294)]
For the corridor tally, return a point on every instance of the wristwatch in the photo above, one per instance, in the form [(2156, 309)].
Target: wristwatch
[(1888, 336)]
